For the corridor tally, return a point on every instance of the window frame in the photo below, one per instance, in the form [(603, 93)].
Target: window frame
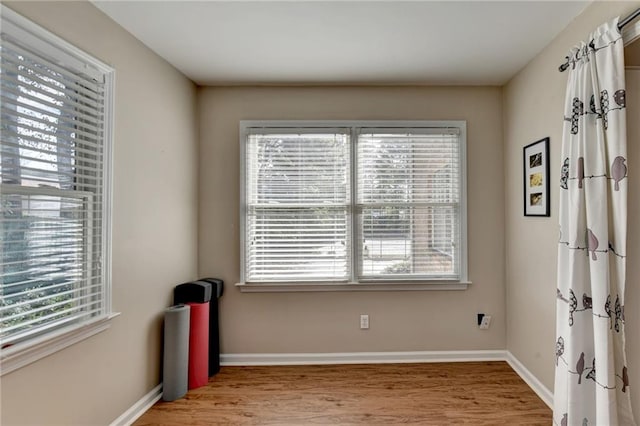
[(40, 345), (377, 284)]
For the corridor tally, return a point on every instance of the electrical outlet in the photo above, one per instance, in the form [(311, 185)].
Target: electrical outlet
[(364, 322), (486, 322)]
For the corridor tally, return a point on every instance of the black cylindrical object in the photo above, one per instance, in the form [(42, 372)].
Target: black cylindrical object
[(195, 292), (217, 287), (202, 291)]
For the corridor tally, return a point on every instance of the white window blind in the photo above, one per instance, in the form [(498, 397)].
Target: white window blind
[(409, 203), (54, 187), (353, 203), (297, 205)]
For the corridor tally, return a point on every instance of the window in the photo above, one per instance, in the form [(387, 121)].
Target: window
[(54, 172), (328, 203)]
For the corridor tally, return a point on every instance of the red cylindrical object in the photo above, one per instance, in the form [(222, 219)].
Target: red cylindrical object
[(199, 345)]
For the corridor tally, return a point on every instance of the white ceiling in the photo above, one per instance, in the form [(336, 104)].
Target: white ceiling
[(345, 42)]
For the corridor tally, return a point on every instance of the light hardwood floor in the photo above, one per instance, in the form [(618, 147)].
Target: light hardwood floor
[(474, 393)]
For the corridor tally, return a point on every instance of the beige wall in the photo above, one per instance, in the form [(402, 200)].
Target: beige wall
[(533, 109), (329, 322), (154, 231), (632, 54)]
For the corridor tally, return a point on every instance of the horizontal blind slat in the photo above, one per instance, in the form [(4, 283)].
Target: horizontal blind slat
[(83, 313), (10, 142), (71, 300), (30, 76), (87, 118), (51, 324), (38, 125), (78, 168), (13, 47), (79, 265)]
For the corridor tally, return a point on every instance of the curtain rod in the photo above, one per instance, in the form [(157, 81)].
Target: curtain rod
[(621, 24)]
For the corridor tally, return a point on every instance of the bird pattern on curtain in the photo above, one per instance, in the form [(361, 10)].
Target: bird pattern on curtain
[(591, 382)]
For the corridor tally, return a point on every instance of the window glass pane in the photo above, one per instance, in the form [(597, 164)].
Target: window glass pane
[(297, 244), (400, 168), (409, 241), (298, 169), (297, 223), (44, 259), (408, 205)]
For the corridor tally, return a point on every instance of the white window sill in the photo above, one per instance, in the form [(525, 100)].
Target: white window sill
[(369, 286), (22, 354)]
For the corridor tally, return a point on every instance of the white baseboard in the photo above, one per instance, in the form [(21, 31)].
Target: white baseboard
[(360, 357), (541, 390), (139, 408)]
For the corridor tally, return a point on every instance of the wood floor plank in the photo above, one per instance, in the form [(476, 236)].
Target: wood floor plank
[(473, 393)]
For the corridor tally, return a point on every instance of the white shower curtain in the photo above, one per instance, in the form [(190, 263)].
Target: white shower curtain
[(591, 382)]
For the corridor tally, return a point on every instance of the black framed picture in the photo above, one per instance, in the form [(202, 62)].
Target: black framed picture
[(536, 178)]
